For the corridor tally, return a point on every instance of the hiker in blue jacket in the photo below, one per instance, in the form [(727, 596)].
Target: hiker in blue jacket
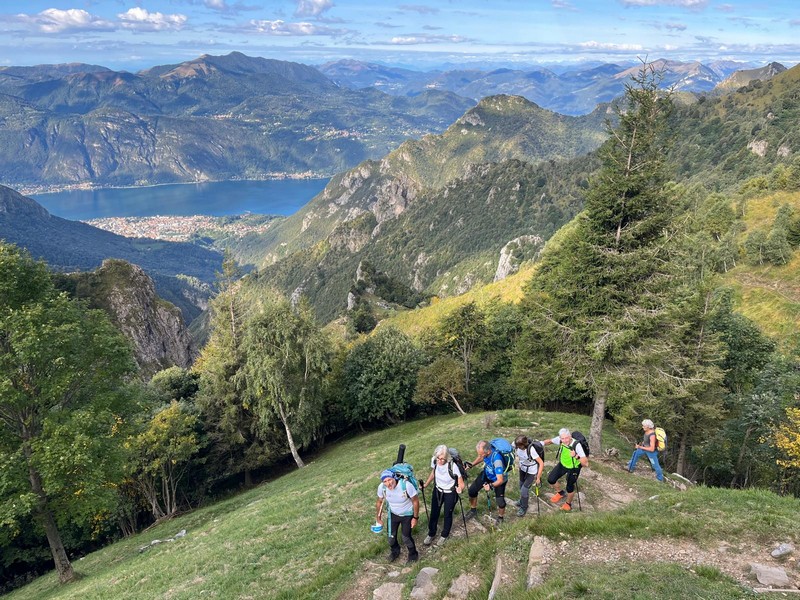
[(648, 448), (492, 477), (403, 513), (449, 483)]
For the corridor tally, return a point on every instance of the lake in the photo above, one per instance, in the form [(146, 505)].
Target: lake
[(218, 198)]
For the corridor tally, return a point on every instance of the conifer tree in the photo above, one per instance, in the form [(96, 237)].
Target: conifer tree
[(596, 306)]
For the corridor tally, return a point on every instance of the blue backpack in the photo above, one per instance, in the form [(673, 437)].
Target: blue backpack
[(404, 472), (506, 450)]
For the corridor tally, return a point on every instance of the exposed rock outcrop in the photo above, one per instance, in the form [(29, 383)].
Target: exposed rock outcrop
[(156, 327), (514, 252)]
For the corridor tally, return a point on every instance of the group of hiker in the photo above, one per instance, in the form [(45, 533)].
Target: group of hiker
[(400, 490)]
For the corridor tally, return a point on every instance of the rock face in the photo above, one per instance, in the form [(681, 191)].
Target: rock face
[(156, 328), (514, 252)]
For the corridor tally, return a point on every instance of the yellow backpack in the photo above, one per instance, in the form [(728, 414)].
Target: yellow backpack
[(661, 439)]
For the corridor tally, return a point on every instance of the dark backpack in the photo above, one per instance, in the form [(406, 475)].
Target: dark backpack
[(578, 437), (539, 447), (455, 456)]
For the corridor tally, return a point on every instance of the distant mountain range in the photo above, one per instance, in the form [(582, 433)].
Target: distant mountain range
[(212, 118), (573, 91)]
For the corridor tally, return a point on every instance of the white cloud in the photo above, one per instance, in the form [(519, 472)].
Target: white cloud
[(410, 40), (140, 19), (54, 20), (592, 45), (419, 8), (312, 8), (282, 28), (692, 4)]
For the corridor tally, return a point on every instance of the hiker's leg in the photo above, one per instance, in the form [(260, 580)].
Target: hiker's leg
[(653, 456), (572, 480), (435, 509), (475, 488), (394, 545), (525, 482), (449, 506), (637, 454), (556, 473), (500, 495), (407, 539)]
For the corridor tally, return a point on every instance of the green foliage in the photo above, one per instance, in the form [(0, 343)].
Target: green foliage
[(62, 413), (175, 383), (285, 359), (380, 376), (461, 332), (160, 455), (441, 382)]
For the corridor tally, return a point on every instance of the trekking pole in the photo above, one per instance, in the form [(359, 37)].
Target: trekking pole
[(463, 516), (425, 502), (538, 506)]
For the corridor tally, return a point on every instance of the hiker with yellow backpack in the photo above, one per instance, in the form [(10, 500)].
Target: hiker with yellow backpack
[(651, 444)]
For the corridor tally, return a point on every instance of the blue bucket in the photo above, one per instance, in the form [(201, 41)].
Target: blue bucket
[(376, 528)]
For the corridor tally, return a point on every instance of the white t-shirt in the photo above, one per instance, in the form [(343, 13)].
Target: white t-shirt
[(399, 501), (442, 477), (529, 465)]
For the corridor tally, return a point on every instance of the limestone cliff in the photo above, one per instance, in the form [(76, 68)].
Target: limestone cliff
[(156, 327)]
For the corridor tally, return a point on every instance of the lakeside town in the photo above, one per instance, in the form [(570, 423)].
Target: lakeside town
[(175, 228)]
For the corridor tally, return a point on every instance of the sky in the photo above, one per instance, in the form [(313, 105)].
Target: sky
[(137, 34)]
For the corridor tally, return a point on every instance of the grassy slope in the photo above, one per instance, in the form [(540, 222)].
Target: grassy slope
[(306, 534), (770, 295)]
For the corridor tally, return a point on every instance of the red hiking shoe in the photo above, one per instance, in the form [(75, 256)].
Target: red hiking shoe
[(566, 506)]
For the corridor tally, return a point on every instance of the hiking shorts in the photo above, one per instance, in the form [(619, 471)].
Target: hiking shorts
[(559, 471), (499, 491)]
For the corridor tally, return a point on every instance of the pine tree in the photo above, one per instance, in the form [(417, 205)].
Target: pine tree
[(597, 302)]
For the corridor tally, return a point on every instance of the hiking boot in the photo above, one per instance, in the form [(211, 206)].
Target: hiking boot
[(441, 541), (392, 557), (558, 497), (566, 506), (521, 512), (472, 513), (412, 558), (427, 541)]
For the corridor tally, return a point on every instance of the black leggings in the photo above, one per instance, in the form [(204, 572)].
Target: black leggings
[(446, 500), (559, 471), (499, 491), (404, 523)]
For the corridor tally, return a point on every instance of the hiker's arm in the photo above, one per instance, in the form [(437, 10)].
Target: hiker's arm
[(429, 479), (379, 511), (584, 462), (539, 462), (415, 503), (460, 485)]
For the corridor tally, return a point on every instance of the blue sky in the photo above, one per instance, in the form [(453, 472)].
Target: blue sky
[(135, 34)]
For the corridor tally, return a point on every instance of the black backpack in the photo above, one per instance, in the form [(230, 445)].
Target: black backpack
[(581, 439), (539, 447), (455, 456)]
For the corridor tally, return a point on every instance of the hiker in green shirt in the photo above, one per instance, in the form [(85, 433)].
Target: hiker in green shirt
[(571, 457)]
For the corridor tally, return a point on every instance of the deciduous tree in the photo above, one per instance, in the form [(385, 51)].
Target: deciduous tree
[(62, 368)]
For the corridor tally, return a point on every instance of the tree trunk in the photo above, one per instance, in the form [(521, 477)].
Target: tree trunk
[(598, 415), (289, 437), (681, 467), (740, 458), (458, 406), (60, 558)]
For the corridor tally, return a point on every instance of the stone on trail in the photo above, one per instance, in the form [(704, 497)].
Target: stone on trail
[(783, 550), (462, 586), (388, 591), (424, 587), (772, 576)]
